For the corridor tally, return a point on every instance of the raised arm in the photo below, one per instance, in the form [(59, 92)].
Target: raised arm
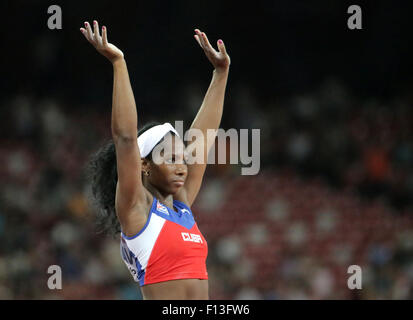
[(210, 113), (129, 190)]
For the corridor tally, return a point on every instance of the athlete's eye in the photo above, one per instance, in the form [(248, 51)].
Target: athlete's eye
[(170, 159), (173, 159)]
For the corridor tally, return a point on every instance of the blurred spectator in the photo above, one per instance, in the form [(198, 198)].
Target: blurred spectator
[(258, 227)]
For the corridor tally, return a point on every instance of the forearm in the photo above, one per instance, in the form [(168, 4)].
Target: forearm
[(210, 113), (124, 115)]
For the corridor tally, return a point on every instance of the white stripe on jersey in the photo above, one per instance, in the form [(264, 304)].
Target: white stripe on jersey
[(143, 244)]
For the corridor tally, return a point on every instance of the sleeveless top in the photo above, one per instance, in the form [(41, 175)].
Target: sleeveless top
[(169, 246)]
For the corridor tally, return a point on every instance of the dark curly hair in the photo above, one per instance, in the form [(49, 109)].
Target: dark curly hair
[(101, 172)]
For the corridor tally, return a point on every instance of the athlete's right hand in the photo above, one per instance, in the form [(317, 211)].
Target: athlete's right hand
[(101, 42)]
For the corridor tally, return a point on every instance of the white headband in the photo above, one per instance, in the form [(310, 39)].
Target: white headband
[(150, 138)]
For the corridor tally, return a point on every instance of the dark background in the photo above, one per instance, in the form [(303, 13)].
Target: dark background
[(278, 48)]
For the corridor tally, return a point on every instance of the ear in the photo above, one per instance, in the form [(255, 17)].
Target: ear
[(145, 164)]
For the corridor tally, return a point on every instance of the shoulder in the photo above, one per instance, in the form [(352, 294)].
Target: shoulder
[(145, 207), (137, 216)]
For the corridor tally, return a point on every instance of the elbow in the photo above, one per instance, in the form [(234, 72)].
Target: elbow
[(124, 138), (124, 135)]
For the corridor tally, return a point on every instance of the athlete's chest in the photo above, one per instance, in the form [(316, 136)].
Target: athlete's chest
[(179, 233)]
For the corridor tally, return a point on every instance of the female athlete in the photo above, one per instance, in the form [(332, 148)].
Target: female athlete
[(149, 200)]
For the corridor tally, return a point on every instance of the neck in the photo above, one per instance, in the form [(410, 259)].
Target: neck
[(162, 197)]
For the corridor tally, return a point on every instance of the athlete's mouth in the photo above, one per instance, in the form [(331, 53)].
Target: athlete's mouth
[(179, 183)]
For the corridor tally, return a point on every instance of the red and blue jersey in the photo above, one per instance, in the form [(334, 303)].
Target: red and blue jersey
[(169, 246)]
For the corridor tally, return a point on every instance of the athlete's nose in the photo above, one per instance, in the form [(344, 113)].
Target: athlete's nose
[(181, 171)]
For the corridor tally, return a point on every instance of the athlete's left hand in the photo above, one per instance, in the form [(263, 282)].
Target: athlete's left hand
[(219, 59)]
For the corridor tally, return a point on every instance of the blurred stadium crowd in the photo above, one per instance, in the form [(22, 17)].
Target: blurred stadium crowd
[(334, 190)]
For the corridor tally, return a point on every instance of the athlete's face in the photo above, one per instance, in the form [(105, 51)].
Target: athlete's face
[(168, 170)]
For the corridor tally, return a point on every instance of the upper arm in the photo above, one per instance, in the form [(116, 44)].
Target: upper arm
[(207, 121), (192, 185), (130, 190), (196, 171)]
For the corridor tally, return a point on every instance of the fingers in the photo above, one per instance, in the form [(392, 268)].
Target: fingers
[(84, 32), (197, 37), (221, 47), (94, 36), (89, 32), (104, 36), (199, 41), (203, 40), (96, 31)]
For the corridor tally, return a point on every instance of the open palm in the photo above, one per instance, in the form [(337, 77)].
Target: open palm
[(219, 59), (101, 43)]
